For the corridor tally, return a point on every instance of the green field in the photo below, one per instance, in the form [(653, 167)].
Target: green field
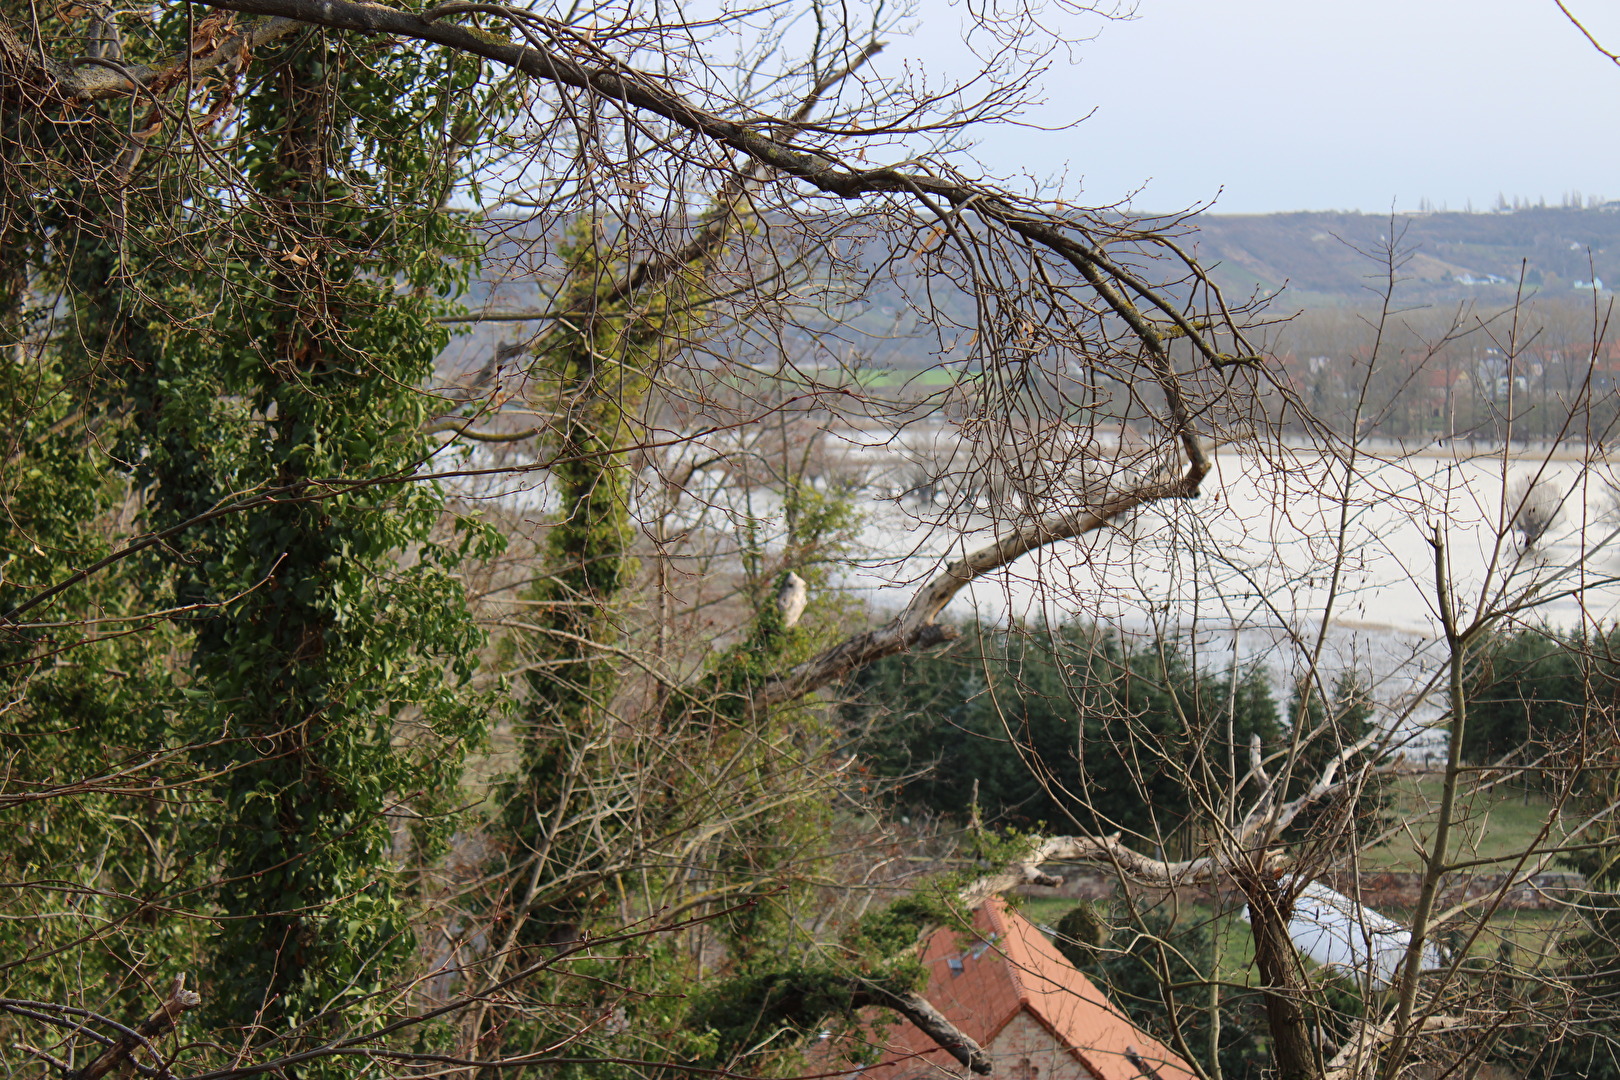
[(1530, 937), (898, 378), (1499, 824)]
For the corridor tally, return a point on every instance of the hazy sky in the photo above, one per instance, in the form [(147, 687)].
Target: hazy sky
[(1321, 104)]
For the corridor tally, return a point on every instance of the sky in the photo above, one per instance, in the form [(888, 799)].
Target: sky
[(1277, 105)]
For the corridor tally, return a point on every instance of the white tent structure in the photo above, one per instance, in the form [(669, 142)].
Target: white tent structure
[(1337, 931)]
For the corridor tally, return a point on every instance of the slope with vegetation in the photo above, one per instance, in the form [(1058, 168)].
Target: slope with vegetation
[(1320, 257)]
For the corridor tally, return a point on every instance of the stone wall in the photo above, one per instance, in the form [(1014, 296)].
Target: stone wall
[(1024, 1050), (1400, 889)]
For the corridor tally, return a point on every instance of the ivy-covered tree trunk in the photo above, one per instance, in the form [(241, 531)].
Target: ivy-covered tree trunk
[(175, 339), (593, 374), (610, 780), (321, 674)]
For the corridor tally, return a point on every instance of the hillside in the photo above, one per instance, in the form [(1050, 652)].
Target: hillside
[(1313, 260), (1322, 258)]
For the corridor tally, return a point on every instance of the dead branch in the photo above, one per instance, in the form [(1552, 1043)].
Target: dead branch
[(1089, 849), (1243, 849), (1355, 1057), (160, 1023), (917, 625)]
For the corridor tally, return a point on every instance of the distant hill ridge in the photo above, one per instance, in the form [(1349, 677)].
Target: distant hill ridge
[(1448, 256), (1322, 259)]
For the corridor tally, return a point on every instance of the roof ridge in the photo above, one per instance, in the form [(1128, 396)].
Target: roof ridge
[(999, 912), (1027, 976), (991, 939), (1040, 954)]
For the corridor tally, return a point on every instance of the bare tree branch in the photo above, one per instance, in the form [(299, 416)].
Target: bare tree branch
[(931, 1022), (770, 148), (1587, 34), (918, 627), (161, 1022), (1356, 1057), (1095, 849)]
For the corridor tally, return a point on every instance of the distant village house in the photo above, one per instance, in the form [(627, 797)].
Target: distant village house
[(1008, 988)]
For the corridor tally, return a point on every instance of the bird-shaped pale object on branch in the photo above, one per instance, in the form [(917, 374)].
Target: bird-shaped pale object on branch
[(791, 597)]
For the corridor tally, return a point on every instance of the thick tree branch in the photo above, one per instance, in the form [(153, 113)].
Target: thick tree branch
[(1327, 781), (721, 218), (918, 627), (1357, 1056), (931, 1022), (719, 223), (1241, 852), (770, 146), (1089, 849), (88, 80)]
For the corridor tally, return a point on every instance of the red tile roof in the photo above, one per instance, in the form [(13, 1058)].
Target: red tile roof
[(1007, 965)]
